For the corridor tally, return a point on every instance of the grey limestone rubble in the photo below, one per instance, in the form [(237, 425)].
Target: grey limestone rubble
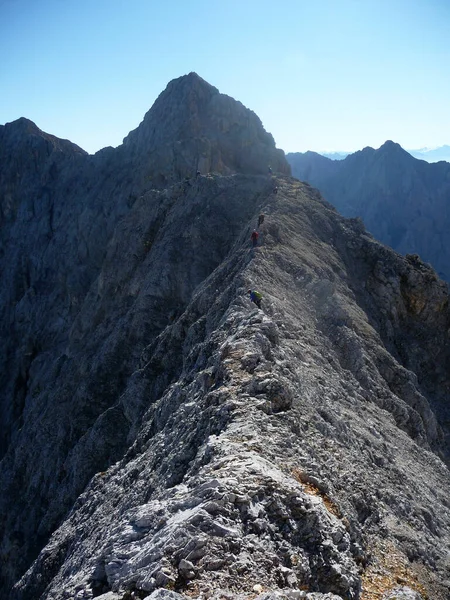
[(163, 437)]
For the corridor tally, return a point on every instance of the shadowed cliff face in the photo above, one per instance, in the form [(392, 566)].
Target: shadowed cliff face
[(193, 127), (403, 201), (59, 208), (162, 432)]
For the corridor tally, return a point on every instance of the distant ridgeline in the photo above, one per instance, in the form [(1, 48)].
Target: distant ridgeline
[(431, 155), (404, 202)]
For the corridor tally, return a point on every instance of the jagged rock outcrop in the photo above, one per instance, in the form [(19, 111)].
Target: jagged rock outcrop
[(402, 201), (166, 438), (193, 127)]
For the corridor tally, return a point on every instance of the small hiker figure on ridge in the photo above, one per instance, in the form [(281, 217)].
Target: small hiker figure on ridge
[(269, 170), (255, 297), (254, 237), (260, 220)]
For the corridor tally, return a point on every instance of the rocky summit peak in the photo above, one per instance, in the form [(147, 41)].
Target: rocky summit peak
[(390, 144), (24, 131), (189, 90), (24, 125), (393, 153), (193, 81), (193, 127), (390, 147)]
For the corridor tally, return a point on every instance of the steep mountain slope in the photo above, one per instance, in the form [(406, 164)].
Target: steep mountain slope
[(288, 447), (193, 127), (161, 433), (403, 201), (59, 208), (62, 354)]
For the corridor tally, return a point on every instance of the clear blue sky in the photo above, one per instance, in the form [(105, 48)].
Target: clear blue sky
[(321, 75)]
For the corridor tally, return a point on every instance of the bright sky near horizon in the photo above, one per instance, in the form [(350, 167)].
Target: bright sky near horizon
[(322, 75)]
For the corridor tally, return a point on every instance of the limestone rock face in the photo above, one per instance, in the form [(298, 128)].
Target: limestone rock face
[(164, 438), (193, 127), (403, 201)]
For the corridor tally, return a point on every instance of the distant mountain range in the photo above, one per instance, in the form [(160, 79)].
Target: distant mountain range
[(404, 202), (431, 155)]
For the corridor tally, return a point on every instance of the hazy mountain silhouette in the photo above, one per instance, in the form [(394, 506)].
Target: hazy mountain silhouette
[(403, 201), (428, 154)]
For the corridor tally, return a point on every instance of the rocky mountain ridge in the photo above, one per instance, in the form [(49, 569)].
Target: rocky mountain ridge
[(191, 126), (402, 201), (162, 436), (431, 155)]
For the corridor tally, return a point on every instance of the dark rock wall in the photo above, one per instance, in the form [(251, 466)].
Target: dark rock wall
[(403, 201), (193, 127), (94, 265), (70, 427)]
